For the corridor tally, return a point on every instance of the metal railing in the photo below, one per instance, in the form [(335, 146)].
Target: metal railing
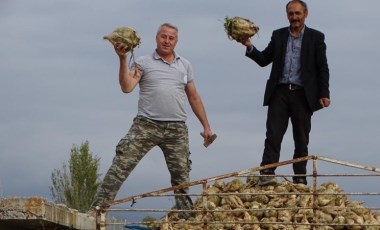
[(206, 223)]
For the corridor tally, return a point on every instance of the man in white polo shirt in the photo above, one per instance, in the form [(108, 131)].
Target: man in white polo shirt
[(165, 79)]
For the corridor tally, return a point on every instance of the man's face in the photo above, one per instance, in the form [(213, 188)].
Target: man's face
[(166, 40), (296, 15)]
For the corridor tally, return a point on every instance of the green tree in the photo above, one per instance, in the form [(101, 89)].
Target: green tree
[(76, 183)]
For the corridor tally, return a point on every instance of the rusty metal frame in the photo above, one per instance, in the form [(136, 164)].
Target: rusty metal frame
[(105, 207)]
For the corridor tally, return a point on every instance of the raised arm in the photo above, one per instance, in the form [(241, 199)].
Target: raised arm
[(128, 79)]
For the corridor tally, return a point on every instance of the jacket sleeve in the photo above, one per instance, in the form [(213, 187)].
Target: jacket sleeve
[(322, 68), (262, 58)]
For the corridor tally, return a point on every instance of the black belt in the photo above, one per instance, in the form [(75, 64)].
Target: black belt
[(291, 87)]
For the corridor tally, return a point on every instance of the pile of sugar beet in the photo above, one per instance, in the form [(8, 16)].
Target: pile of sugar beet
[(236, 205)]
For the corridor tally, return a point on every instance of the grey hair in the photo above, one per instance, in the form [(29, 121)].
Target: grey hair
[(299, 1), (167, 25)]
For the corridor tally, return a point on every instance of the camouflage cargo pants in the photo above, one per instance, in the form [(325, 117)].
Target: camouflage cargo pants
[(144, 134)]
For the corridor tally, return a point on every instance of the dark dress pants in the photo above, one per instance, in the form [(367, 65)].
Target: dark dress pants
[(285, 104)]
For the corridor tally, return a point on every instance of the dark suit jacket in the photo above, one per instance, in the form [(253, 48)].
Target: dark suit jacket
[(314, 67)]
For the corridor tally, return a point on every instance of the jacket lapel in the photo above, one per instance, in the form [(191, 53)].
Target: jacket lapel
[(284, 42), (304, 48)]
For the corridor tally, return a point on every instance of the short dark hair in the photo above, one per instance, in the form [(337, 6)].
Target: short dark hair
[(299, 1)]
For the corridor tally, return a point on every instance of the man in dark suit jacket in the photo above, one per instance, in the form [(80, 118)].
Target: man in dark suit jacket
[(298, 86)]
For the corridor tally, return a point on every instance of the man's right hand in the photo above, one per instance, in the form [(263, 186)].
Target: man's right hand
[(246, 41), (121, 50)]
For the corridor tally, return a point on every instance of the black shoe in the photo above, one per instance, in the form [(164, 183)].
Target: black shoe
[(267, 172), (300, 180), (267, 180)]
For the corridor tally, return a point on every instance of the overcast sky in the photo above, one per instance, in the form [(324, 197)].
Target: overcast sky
[(59, 87)]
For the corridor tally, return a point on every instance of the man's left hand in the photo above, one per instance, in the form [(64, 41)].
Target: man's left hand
[(325, 102)]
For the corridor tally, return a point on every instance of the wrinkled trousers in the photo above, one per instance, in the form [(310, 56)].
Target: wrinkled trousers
[(287, 105), (170, 136)]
